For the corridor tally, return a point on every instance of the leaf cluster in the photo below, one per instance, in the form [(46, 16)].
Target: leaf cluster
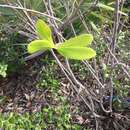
[(74, 48)]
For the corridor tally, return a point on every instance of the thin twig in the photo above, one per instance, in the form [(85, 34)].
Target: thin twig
[(29, 10)]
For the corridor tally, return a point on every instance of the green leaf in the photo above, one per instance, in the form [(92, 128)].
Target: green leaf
[(106, 7), (78, 41), (43, 30), (109, 8), (78, 53), (38, 45), (3, 69), (94, 27)]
